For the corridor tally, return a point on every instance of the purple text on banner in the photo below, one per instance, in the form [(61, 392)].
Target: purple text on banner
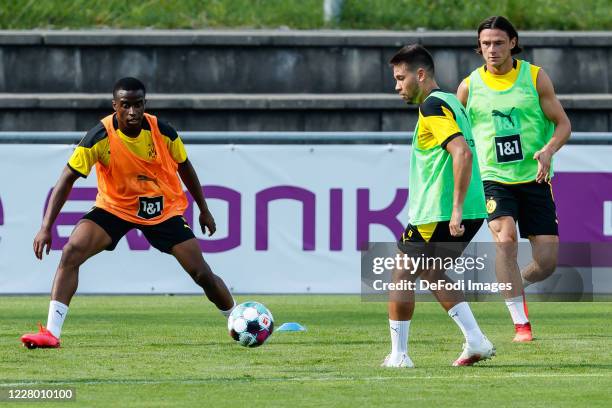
[(233, 199), (584, 209), (584, 206), (69, 218), (263, 198), (386, 216)]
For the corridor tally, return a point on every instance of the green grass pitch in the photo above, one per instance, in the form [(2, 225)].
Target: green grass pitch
[(144, 351)]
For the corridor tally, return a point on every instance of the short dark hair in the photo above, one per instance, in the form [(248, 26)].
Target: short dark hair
[(499, 23), (128, 84), (414, 55)]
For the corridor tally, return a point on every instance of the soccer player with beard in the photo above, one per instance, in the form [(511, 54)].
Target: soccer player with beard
[(446, 203)]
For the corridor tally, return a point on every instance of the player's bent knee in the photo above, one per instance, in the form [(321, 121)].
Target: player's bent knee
[(506, 241), (504, 229), (73, 255), (507, 237)]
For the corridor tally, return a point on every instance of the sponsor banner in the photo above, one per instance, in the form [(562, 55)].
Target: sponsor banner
[(291, 218)]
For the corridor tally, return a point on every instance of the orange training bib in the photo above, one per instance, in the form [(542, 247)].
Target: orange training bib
[(137, 190)]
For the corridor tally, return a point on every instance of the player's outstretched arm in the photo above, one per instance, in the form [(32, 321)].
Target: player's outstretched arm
[(462, 174), (191, 181), (554, 111), (463, 92), (59, 195)]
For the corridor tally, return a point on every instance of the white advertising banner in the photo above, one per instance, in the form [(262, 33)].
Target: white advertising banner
[(291, 218)]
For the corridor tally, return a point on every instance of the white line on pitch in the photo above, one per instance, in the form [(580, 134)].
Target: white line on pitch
[(299, 379)]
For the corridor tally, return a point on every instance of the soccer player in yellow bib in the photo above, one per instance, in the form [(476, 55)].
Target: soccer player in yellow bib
[(518, 125)]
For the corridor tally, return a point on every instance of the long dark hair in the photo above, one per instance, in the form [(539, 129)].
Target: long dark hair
[(499, 23)]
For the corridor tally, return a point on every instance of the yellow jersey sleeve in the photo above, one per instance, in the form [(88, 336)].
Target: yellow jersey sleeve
[(92, 148), (534, 75), (173, 142), (437, 124)]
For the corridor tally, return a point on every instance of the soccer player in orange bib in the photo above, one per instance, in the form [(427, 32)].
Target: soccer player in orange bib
[(138, 160)]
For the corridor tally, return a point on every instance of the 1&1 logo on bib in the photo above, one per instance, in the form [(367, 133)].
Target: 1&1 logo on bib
[(150, 207), (507, 138)]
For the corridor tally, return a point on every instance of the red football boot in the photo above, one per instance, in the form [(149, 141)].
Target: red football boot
[(523, 333), (42, 339)]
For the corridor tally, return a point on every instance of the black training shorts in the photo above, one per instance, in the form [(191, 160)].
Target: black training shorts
[(162, 236), (531, 204), (441, 241)]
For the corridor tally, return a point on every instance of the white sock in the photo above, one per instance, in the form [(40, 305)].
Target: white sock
[(55, 319), (462, 315), (227, 312), (526, 283), (516, 307), (399, 336)]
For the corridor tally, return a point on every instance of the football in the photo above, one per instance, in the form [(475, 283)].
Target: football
[(250, 324)]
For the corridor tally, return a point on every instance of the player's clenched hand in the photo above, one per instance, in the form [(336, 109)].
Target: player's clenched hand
[(544, 157), (42, 242), (454, 225), (207, 221)]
